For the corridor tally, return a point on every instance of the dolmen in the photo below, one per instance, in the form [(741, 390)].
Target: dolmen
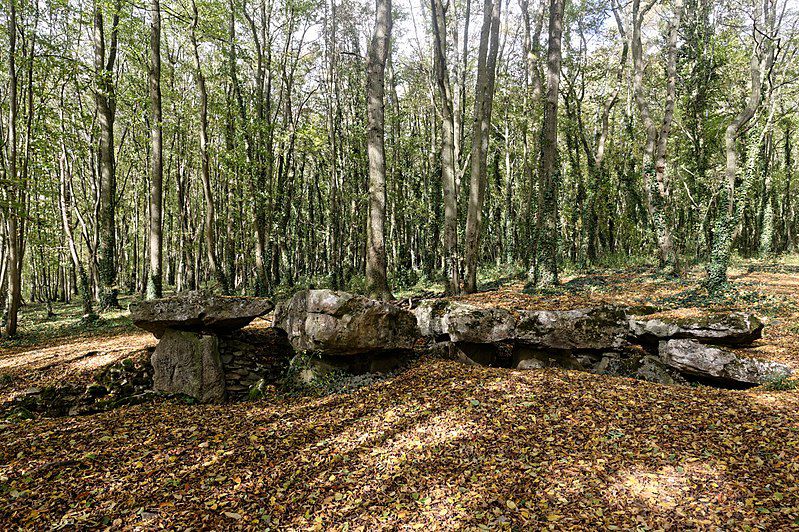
[(605, 339), (201, 352)]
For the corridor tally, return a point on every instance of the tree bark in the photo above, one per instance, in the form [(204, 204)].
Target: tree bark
[(448, 163), (481, 129), (105, 100), (65, 204), (654, 161), (14, 269), (155, 277), (731, 206), (547, 227), (376, 278), (217, 272)]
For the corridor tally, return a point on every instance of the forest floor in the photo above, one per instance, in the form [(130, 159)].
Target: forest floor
[(439, 446)]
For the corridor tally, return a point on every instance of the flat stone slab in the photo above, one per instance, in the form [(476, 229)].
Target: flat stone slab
[(342, 324), (734, 328), (694, 358), (584, 329), (198, 312)]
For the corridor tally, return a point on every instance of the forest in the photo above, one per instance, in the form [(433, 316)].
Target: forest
[(380, 227), (235, 145)]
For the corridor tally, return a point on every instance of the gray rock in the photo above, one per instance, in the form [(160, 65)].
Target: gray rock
[(653, 369), (462, 322), (198, 312), (531, 363), (736, 328), (188, 363), (586, 329), (716, 363), (339, 323), (582, 329), (529, 357)]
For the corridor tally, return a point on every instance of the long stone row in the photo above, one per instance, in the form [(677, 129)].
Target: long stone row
[(201, 354), (607, 339)]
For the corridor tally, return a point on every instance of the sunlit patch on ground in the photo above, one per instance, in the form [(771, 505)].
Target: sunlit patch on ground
[(670, 487)]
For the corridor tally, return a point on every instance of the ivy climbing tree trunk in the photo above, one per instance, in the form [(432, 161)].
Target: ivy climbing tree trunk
[(731, 205), (657, 136), (105, 101), (545, 271)]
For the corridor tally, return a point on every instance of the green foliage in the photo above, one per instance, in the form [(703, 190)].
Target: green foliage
[(781, 384)]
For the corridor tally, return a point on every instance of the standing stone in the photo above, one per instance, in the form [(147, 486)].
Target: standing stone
[(188, 363)]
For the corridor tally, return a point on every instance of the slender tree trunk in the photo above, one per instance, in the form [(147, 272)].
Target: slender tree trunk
[(217, 271), (448, 163), (65, 204), (768, 199), (376, 279), (547, 229), (654, 161), (14, 274), (155, 277), (786, 221), (105, 100), (256, 165), (481, 129)]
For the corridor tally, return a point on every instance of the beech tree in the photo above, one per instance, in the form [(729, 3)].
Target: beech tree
[(155, 277), (763, 36), (481, 125), (448, 160), (105, 55)]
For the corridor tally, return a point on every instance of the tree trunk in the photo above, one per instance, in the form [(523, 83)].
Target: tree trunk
[(105, 100), (448, 163), (217, 272), (155, 277), (654, 160), (731, 206), (257, 166), (481, 129), (547, 229), (376, 280), (14, 274), (65, 204)]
